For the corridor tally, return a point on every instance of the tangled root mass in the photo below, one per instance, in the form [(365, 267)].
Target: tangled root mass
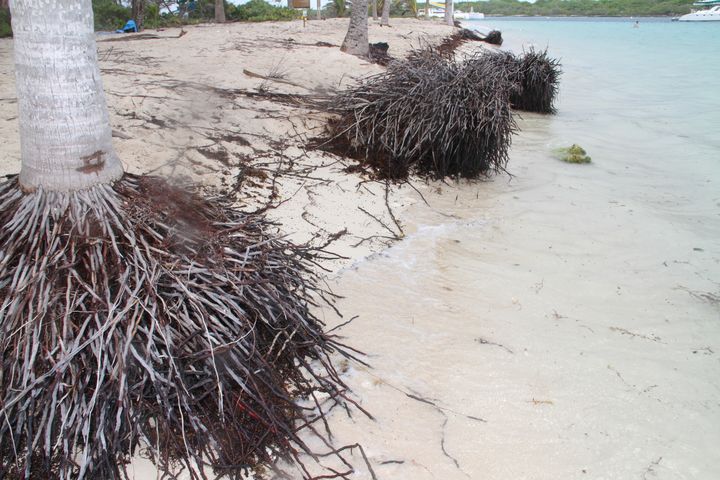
[(427, 114), (138, 316)]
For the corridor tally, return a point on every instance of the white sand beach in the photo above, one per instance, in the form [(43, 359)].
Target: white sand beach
[(560, 323)]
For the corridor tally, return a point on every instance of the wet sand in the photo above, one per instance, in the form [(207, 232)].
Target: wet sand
[(551, 326)]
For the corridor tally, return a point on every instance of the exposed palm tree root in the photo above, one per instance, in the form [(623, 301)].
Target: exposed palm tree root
[(427, 114), (539, 80), (140, 317), (535, 76), (378, 53), (452, 42)]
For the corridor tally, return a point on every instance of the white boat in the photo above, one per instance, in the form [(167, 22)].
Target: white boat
[(710, 15), (438, 11), (433, 13), (474, 15), (471, 15)]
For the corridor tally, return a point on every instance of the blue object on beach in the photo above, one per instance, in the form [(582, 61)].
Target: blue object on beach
[(130, 26)]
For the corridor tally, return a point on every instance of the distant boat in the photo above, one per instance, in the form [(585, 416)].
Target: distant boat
[(439, 12), (710, 15), (471, 15), (434, 13), (475, 16)]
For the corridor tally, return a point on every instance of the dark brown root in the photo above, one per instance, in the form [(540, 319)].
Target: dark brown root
[(493, 38), (379, 53), (142, 318), (452, 42), (427, 114), (538, 82), (534, 76)]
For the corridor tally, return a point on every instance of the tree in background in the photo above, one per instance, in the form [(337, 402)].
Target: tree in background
[(339, 7), (219, 11), (412, 5), (261, 11), (138, 12), (385, 20), (5, 30), (374, 10), (356, 39), (449, 9)]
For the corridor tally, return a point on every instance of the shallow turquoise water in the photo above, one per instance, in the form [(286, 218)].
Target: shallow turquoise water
[(647, 96), (663, 77)]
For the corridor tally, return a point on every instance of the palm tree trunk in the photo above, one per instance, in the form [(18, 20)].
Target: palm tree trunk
[(65, 138), (219, 11), (374, 10), (449, 11), (356, 39), (319, 11), (385, 20), (138, 12)]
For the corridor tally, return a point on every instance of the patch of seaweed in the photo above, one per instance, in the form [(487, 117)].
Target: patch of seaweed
[(572, 154)]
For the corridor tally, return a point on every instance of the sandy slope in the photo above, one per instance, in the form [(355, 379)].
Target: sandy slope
[(176, 112)]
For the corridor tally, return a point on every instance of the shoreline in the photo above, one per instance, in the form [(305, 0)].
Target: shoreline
[(561, 323), (579, 16)]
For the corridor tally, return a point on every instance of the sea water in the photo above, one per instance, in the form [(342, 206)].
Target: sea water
[(655, 83), (564, 321)]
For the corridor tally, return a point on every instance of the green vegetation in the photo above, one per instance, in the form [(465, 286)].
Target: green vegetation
[(573, 154), (336, 8), (611, 8), (5, 30), (109, 15), (341, 8), (260, 11)]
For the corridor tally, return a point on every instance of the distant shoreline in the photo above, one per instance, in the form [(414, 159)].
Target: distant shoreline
[(578, 16)]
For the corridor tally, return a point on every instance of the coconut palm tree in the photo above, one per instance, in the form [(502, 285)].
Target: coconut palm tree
[(135, 315), (385, 20), (137, 9), (412, 5), (220, 11), (356, 39), (339, 7), (65, 138), (449, 12)]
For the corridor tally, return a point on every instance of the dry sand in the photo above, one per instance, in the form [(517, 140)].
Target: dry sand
[(520, 331), (176, 112)]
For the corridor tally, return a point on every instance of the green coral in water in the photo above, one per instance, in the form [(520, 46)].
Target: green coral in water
[(573, 154)]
